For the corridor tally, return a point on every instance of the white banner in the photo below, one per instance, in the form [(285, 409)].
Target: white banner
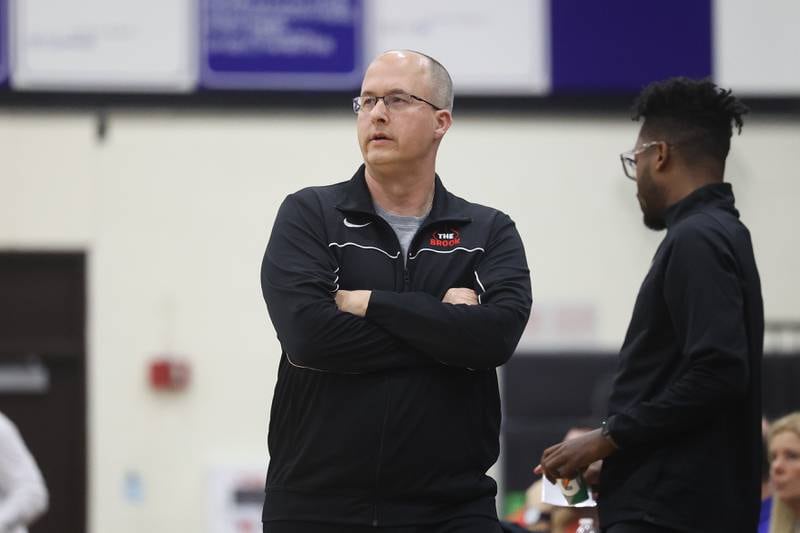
[(756, 46), (488, 48), (92, 45)]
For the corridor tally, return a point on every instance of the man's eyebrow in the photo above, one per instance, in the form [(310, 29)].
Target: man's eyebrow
[(390, 91)]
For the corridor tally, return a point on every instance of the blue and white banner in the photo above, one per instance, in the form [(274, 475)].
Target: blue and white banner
[(513, 47), (282, 44), (585, 47), (546, 47)]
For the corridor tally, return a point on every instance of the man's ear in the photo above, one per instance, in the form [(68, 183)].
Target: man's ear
[(444, 119), (663, 155)]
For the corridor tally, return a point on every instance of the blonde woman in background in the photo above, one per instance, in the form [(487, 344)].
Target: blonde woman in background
[(784, 456)]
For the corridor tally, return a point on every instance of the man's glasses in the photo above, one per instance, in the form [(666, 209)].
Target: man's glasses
[(629, 159), (393, 102)]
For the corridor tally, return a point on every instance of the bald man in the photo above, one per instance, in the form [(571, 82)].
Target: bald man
[(394, 301)]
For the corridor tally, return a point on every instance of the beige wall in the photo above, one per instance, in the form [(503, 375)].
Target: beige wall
[(174, 211)]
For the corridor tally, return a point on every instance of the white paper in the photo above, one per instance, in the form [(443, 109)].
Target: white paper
[(552, 494)]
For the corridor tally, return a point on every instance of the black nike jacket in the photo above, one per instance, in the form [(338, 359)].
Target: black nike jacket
[(392, 419)]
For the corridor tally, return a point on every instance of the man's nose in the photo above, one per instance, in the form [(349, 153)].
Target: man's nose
[(379, 113)]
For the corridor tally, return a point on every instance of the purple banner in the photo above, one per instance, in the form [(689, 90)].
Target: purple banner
[(623, 45), (282, 44)]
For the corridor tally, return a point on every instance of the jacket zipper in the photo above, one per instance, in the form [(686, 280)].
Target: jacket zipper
[(375, 518), (406, 287)]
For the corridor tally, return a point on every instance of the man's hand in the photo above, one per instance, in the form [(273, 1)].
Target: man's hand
[(460, 295), (353, 302), (592, 473), (567, 459), (592, 477)]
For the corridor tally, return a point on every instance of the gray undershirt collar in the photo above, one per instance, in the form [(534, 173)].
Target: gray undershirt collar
[(405, 227)]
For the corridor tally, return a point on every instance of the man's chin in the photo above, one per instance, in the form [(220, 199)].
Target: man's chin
[(379, 155), (655, 223), (382, 160)]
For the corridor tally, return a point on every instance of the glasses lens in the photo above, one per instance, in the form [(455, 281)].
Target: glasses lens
[(364, 103), (628, 165), (397, 101)]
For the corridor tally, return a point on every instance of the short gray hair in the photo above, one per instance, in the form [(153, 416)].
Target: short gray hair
[(441, 82)]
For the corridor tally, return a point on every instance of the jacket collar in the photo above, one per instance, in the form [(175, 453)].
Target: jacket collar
[(445, 205), (716, 195)]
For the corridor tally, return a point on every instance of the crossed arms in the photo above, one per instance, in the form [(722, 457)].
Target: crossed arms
[(378, 330)]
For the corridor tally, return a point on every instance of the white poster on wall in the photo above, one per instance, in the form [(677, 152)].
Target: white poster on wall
[(756, 45), (236, 498), (95, 45), (490, 48)]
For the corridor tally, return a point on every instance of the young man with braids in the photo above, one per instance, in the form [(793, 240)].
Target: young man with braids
[(681, 443)]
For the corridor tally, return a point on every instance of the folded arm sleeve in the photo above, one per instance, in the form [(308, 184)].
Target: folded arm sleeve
[(705, 301), (299, 281), (469, 336)]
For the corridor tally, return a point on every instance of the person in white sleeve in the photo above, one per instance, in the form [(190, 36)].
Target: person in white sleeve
[(23, 495)]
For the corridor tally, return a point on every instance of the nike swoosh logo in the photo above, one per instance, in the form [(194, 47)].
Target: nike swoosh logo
[(351, 225)]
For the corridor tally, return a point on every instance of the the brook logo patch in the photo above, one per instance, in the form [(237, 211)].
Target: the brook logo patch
[(445, 239)]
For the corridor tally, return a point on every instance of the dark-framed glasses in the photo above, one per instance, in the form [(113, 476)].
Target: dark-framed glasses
[(393, 102), (629, 159)]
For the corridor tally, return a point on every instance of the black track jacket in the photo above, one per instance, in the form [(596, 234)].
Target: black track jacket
[(686, 404), (391, 419)]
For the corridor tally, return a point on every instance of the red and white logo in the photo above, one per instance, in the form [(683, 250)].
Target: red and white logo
[(445, 238)]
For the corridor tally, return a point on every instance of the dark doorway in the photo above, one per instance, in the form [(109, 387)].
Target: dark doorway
[(42, 356)]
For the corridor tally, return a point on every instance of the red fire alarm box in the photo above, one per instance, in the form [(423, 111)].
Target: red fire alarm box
[(169, 374)]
